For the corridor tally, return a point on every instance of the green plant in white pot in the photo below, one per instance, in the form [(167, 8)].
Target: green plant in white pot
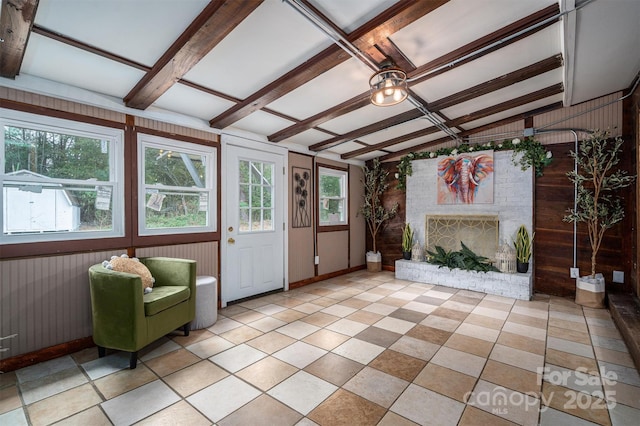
[(523, 244), (407, 241), (597, 205), (375, 214)]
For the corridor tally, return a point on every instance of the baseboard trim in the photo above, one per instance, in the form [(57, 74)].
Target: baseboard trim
[(46, 354), (323, 277)]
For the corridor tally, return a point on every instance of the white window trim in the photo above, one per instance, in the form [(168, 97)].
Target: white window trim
[(344, 174), (210, 182), (116, 172)]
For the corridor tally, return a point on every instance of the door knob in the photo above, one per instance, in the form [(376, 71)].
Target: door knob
[(231, 241)]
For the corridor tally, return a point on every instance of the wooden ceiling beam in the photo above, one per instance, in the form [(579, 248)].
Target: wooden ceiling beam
[(16, 20), (352, 104), (498, 83), (477, 115), (464, 95), (210, 27), (493, 125), (367, 130), (386, 23), (45, 32)]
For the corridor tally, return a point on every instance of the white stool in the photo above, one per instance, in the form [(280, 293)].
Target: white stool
[(206, 302)]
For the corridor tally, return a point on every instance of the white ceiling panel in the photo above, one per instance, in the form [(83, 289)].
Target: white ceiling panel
[(185, 100), (266, 45), (67, 65), (416, 141), (597, 54), (351, 14), (262, 123), (539, 46), (462, 21), (307, 138), (335, 86), (370, 155), (124, 27), (396, 131), (346, 147), (515, 111), (499, 96), (363, 117)]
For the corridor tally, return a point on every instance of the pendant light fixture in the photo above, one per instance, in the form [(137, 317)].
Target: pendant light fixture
[(389, 85)]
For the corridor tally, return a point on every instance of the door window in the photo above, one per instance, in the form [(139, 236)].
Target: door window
[(256, 196)]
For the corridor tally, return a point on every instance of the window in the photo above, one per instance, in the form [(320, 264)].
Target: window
[(256, 196), (176, 187), (332, 196), (61, 180)]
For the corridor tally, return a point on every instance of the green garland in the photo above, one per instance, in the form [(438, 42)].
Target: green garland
[(533, 152)]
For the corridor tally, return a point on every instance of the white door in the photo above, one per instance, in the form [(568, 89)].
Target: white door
[(253, 233)]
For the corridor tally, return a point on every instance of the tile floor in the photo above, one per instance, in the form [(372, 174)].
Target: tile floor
[(358, 349)]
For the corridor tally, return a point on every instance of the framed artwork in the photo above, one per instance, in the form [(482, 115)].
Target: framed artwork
[(301, 207), (466, 178)]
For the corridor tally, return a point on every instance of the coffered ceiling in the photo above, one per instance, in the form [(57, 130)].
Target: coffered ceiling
[(296, 72)]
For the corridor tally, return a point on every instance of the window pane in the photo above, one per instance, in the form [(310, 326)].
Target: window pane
[(174, 168), (266, 196), (268, 174), (55, 155), (256, 196), (330, 186), (256, 173), (243, 169), (45, 208), (268, 222), (256, 220), (244, 220), (244, 196), (171, 210)]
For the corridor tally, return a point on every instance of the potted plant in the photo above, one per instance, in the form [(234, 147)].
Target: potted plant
[(407, 241), (374, 212), (596, 178), (523, 244)]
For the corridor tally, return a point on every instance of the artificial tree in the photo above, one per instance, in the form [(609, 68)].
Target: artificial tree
[(373, 210), (597, 178)]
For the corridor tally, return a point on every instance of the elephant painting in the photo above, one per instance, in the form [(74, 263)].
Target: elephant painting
[(461, 177)]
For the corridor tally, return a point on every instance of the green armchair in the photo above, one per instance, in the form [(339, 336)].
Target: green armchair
[(124, 318)]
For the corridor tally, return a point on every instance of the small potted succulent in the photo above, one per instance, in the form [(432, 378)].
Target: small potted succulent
[(523, 244), (407, 241)]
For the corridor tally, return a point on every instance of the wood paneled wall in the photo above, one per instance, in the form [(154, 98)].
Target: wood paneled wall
[(205, 254), (553, 244), (389, 242), (45, 300)]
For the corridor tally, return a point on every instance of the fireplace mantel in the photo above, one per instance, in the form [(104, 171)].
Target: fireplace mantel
[(516, 286)]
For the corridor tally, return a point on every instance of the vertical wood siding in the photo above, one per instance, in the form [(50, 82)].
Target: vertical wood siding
[(176, 129), (205, 254), (609, 117), (60, 105), (46, 300)]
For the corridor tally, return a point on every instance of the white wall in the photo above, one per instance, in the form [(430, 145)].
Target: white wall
[(512, 197)]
